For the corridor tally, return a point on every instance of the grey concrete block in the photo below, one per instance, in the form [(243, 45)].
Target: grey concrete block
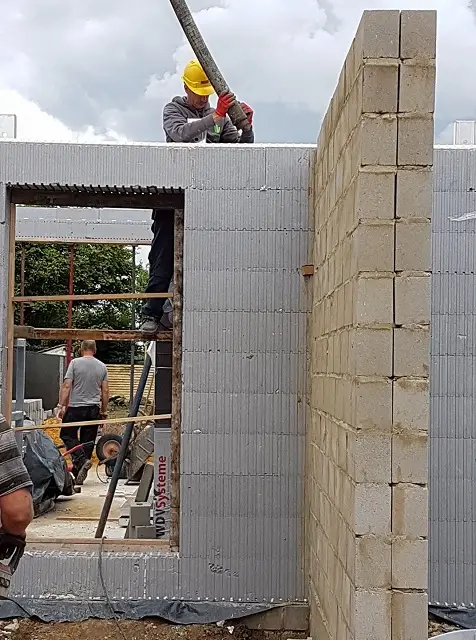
[(409, 616), (417, 86), (418, 34), (372, 614), (412, 300), (373, 562), (410, 458), (378, 35), (412, 352), (373, 511), (373, 300), (140, 514), (372, 404), (411, 404), (380, 86), (371, 352), (410, 511), (373, 458), (415, 140), (373, 247), (413, 246), (375, 195), (285, 618), (144, 532), (410, 564), (414, 193), (379, 140)]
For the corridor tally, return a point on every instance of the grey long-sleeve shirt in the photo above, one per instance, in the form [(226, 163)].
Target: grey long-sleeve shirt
[(183, 123)]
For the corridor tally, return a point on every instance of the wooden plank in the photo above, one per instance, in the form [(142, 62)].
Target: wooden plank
[(92, 423), (38, 198), (93, 544), (307, 270), (176, 423), (89, 297), (35, 333)]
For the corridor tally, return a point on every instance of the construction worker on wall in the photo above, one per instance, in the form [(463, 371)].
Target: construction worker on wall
[(186, 119), (84, 396)]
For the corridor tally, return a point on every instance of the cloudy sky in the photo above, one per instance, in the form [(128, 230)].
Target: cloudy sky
[(78, 70)]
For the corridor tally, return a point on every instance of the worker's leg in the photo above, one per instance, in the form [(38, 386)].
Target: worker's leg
[(161, 268), (87, 436), (69, 436)]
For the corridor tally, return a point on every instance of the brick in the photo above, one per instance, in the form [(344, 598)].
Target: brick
[(410, 511), (418, 34), (414, 193), (413, 246), (415, 140), (140, 514), (410, 458), (378, 35), (417, 86), (372, 615), (373, 247), (410, 564), (411, 404), (380, 86), (372, 405), (372, 458), (412, 300), (373, 300), (375, 195), (409, 616), (371, 352), (412, 352), (373, 509), (373, 561), (379, 140)]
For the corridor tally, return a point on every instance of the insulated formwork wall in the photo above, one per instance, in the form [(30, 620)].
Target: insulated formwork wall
[(453, 378), (244, 368)]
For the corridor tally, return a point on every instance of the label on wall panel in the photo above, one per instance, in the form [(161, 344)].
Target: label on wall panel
[(162, 482)]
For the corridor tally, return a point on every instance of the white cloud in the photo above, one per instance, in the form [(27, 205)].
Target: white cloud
[(99, 67)]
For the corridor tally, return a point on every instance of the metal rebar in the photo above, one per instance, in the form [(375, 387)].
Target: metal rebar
[(121, 456), (69, 343)]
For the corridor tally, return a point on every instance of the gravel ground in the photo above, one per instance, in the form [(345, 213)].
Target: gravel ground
[(436, 627)]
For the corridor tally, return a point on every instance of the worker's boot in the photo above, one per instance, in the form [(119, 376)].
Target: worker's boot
[(149, 326), (83, 473)]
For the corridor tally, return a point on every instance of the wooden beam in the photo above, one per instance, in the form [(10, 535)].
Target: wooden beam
[(176, 423), (90, 297), (38, 198), (93, 423), (307, 270), (33, 333), (8, 396), (93, 544)]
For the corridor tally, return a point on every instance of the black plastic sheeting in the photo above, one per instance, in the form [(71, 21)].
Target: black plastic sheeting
[(176, 612), (45, 465), (465, 618)]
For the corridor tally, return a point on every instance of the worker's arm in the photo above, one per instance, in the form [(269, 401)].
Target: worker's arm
[(230, 133), (65, 390), (16, 504), (178, 129), (104, 397)]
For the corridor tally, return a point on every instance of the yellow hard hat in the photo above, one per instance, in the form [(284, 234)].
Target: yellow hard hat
[(195, 79)]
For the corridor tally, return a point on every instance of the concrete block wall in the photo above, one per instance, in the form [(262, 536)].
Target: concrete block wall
[(366, 485)]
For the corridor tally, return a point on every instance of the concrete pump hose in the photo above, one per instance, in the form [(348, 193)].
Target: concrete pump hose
[(193, 35)]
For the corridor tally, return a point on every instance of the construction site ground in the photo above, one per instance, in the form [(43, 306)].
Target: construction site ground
[(78, 515), (152, 630)]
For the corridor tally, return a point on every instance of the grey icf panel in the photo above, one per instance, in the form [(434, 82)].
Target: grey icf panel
[(60, 224), (453, 380), (247, 234)]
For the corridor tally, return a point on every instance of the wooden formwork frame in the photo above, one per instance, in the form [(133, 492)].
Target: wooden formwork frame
[(52, 333)]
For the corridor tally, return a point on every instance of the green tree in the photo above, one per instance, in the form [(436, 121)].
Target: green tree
[(98, 269)]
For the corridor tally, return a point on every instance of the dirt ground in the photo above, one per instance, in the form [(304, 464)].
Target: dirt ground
[(132, 630), (436, 628)]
